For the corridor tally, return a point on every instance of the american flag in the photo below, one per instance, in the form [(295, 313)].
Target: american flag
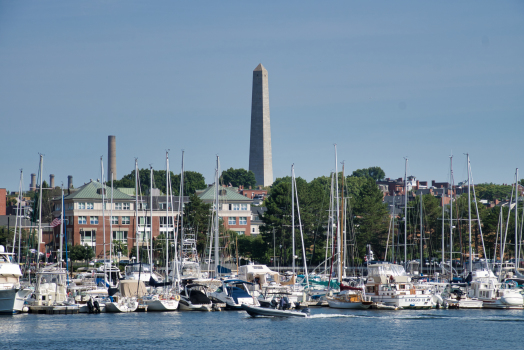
[(55, 222)]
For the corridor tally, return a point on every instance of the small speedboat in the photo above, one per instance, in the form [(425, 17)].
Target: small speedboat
[(255, 311)]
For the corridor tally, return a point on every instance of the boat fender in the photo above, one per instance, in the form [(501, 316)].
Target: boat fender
[(177, 297)]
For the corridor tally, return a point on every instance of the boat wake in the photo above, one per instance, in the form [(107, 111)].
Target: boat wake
[(333, 316)]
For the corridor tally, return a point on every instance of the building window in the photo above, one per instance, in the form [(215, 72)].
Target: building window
[(126, 206), (163, 221), (240, 233), (88, 237), (90, 206), (144, 221), (81, 205), (114, 220), (243, 206), (125, 220), (232, 220), (120, 236), (58, 207), (118, 206), (235, 206), (93, 220), (253, 229), (242, 220), (82, 220), (142, 206)]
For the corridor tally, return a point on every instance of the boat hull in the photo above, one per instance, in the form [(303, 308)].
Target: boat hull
[(162, 305), (336, 304), (255, 311), (121, 307), (185, 306)]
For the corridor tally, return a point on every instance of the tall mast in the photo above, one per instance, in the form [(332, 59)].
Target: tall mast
[(451, 220), (151, 217), (17, 215), (40, 213), (293, 218), (181, 202), (136, 211), (469, 217), (111, 229), (443, 248), (421, 232), (61, 227), (342, 225), (300, 226), (168, 185), (217, 204), (516, 212), (393, 235), (406, 214), (339, 273), (103, 214)]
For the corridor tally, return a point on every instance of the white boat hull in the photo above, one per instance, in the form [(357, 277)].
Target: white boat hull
[(118, 307), (161, 305)]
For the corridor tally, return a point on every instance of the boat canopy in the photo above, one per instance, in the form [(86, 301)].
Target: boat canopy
[(386, 270)]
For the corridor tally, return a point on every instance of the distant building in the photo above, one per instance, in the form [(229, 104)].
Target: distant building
[(233, 208), (84, 217)]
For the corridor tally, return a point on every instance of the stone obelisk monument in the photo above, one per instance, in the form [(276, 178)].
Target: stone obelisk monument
[(260, 156)]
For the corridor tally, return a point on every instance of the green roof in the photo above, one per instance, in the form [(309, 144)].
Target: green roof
[(127, 190), (225, 194), (90, 191)]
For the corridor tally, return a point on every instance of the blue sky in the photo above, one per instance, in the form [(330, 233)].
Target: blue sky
[(382, 79)]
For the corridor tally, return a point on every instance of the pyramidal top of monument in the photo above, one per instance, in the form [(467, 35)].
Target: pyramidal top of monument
[(260, 67)]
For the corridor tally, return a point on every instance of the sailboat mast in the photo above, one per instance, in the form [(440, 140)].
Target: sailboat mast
[(339, 272), (168, 183), (516, 221), (343, 233), (61, 227), (451, 220), (293, 218), (40, 213), (151, 217), (469, 217), (300, 227), (136, 211), (110, 228), (103, 215), (18, 213), (217, 183), (421, 232), (406, 213)]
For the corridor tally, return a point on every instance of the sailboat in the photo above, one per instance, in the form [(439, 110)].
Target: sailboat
[(484, 284), (166, 299)]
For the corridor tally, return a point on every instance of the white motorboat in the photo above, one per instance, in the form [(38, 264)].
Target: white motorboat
[(12, 295), (194, 298), (493, 294), (234, 293), (455, 297), (255, 311), (389, 284)]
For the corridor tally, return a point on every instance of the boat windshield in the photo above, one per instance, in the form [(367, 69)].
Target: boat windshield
[(138, 268), (386, 269)]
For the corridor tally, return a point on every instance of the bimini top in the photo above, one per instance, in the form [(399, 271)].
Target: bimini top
[(386, 270)]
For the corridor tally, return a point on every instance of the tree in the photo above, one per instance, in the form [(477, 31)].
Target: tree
[(47, 202), (374, 172), (239, 177), (197, 215), (119, 247), (493, 191), (80, 252), (371, 217)]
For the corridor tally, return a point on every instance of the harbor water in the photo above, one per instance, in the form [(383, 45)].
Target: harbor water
[(326, 329)]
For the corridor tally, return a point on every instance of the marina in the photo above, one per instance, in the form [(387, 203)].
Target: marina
[(325, 329)]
